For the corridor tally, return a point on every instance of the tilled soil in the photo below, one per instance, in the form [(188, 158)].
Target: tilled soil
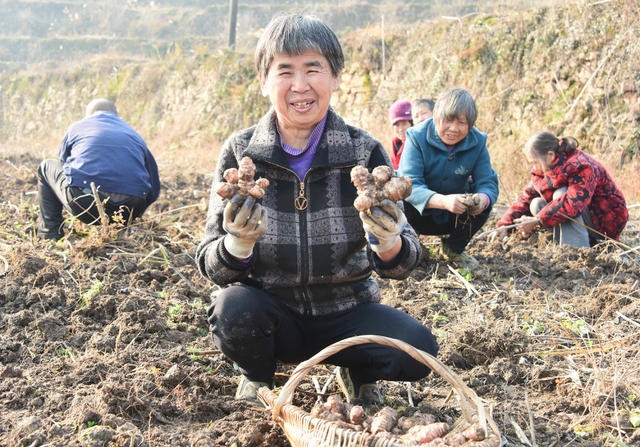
[(104, 339)]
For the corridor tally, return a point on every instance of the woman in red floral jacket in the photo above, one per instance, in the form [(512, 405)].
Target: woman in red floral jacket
[(569, 191)]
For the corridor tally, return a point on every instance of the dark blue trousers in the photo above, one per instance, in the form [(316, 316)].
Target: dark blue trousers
[(459, 228), (54, 194), (252, 328)]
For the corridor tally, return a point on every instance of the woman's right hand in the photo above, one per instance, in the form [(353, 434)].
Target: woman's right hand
[(455, 203), (499, 233)]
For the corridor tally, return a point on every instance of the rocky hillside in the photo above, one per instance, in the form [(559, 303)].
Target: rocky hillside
[(61, 32), (570, 69)]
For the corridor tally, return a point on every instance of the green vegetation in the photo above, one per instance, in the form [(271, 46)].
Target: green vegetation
[(96, 288)]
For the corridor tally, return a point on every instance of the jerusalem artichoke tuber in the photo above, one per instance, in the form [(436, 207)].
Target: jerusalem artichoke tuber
[(240, 181), (474, 432), (377, 186), (474, 203), (455, 440), (356, 414), (406, 422), (384, 420), (427, 433)]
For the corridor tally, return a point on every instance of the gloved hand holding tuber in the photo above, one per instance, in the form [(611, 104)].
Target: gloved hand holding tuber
[(382, 219), (245, 221)]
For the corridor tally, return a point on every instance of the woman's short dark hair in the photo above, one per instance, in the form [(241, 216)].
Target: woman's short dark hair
[(542, 142), (426, 102), (454, 103), (294, 34)]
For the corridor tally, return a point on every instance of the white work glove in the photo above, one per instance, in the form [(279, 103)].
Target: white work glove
[(245, 221), (383, 225)]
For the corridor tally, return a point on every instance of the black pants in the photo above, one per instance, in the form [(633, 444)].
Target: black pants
[(255, 330), (54, 194), (459, 228)]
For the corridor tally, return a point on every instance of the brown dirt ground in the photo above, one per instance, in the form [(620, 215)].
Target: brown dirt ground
[(100, 334)]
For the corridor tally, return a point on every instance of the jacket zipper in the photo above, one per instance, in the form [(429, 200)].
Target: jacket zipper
[(304, 246)]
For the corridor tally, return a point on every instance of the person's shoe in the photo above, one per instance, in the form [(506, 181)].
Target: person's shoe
[(43, 232), (461, 260), (248, 391), (367, 393)]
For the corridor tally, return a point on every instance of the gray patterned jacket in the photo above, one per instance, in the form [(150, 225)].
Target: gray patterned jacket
[(314, 260)]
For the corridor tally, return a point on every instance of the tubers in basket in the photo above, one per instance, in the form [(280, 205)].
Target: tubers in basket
[(341, 413), (357, 415), (474, 433), (422, 434), (406, 422), (377, 186), (419, 428), (384, 420), (240, 181)]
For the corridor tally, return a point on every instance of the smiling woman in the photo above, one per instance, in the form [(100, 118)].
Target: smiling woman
[(454, 185), (299, 63), (300, 89), (296, 265)]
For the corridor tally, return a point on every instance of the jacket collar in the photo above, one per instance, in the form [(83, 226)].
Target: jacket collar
[(335, 148)]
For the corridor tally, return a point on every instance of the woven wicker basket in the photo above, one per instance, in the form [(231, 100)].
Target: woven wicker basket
[(305, 430)]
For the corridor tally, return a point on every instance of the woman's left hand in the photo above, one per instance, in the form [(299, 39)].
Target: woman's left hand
[(383, 225), (479, 203)]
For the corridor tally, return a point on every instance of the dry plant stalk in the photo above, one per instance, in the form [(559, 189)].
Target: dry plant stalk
[(381, 184), (240, 181)]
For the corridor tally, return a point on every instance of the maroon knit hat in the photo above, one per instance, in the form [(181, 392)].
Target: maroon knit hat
[(400, 110)]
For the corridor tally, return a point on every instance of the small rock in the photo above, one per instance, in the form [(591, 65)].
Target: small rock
[(24, 433), (128, 434), (10, 371), (51, 328), (96, 436), (173, 376), (28, 425)]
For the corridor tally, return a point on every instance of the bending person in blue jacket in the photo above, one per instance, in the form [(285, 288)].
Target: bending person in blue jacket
[(454, 185), (104, 150)]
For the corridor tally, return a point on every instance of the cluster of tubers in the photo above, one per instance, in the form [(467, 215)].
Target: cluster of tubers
[(420, 429), (473, 202), (379, 185), (240, 181), (373, 188)]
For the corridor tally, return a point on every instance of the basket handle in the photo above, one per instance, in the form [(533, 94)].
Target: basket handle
[(464, 392)]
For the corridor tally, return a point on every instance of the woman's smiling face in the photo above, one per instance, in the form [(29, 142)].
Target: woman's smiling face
[(299, 88), (400, 129), (452, 131)]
